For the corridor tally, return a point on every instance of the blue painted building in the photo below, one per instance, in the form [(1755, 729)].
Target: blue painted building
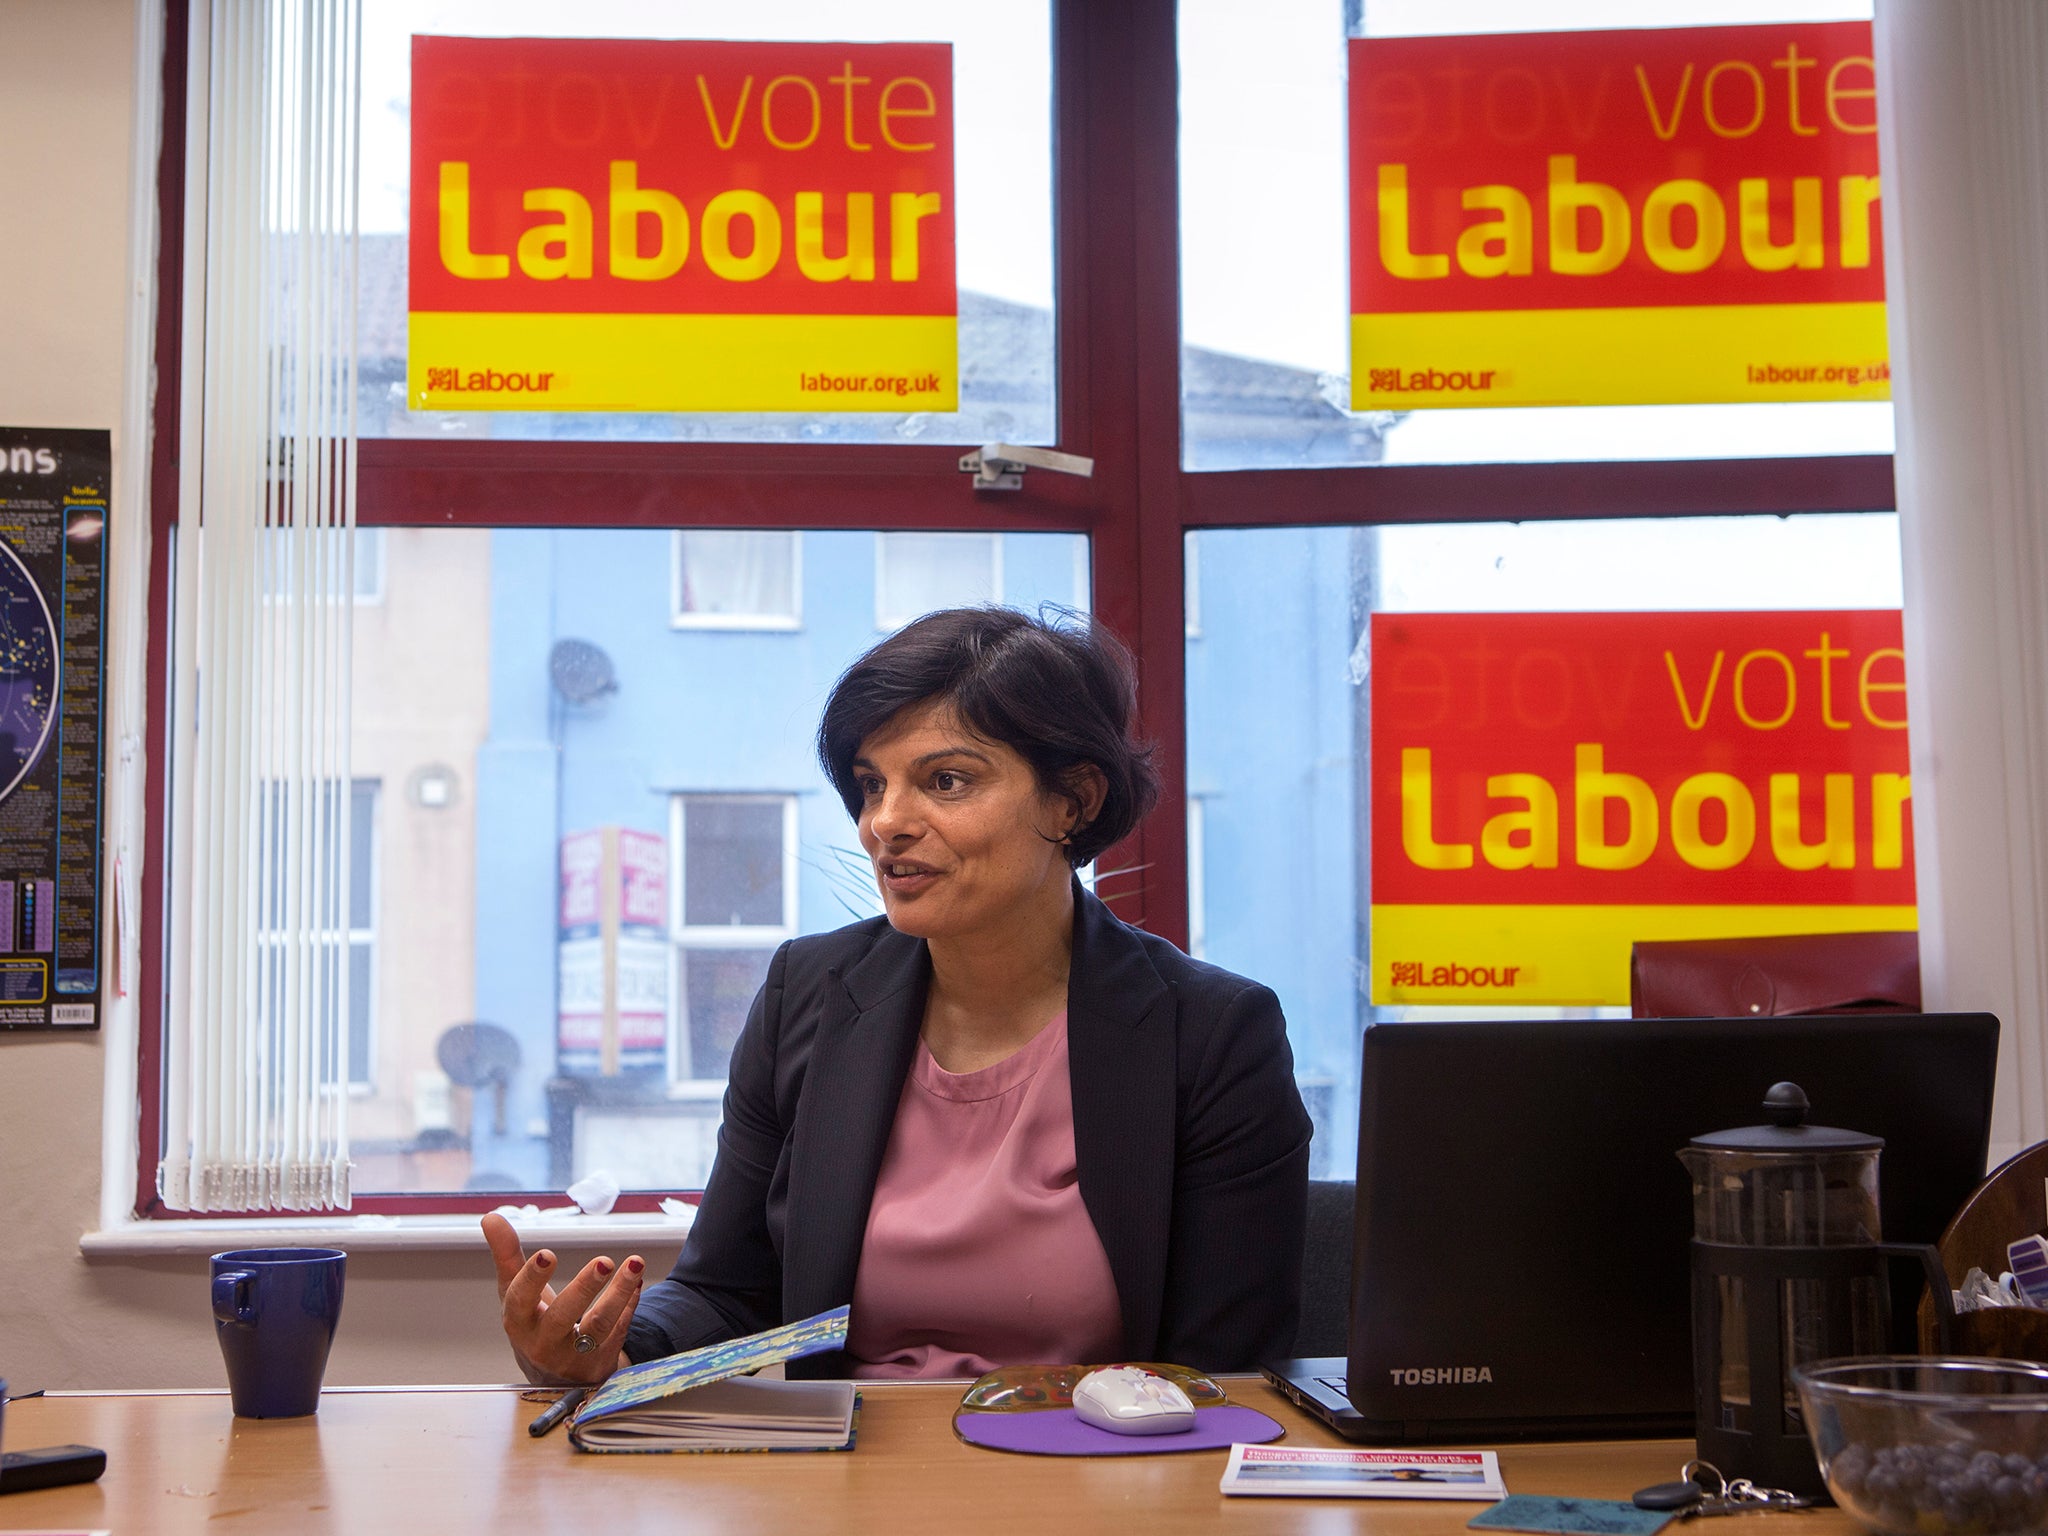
[(706, 663)]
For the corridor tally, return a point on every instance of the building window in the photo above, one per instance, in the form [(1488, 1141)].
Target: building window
[(369, 566), (735, 900), (738, 578), (366, 552), (342, 937), (916, 573)]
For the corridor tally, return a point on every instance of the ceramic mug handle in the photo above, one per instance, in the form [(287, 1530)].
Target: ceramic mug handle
[(231, 1296)]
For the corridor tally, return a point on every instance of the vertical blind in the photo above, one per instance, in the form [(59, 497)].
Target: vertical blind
[(256, 1032)]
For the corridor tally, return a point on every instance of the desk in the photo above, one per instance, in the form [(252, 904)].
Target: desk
[(455, 1461)]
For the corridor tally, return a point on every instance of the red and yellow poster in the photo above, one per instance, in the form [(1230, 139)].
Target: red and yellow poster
[(1616, 218), (1547, 789), (681, 226)]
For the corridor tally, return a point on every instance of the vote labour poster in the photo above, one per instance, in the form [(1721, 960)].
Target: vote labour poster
[(1547, 789), (601, 225), (1688, 214)]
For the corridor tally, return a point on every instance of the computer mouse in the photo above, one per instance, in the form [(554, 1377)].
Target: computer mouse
[(1128, 1401)]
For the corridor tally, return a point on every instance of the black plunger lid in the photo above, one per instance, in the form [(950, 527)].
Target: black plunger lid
[(1785, 1107)]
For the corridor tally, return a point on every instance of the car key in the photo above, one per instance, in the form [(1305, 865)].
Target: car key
[(1690, 1498)]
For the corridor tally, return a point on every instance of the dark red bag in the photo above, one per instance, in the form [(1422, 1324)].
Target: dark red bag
[(1797, 973)]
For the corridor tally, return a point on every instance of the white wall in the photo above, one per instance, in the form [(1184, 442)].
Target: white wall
[(66, 104)]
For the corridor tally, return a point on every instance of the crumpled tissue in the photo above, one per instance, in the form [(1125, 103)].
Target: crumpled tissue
[(679, 1211), (595, 1194)]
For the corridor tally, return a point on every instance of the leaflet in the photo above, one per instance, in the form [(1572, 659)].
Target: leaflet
[(1363, 1474)]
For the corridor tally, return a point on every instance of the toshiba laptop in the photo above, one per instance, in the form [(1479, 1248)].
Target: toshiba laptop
[(1520, 1260)]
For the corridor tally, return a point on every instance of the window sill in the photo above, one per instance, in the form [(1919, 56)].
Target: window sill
[(368, 1234)]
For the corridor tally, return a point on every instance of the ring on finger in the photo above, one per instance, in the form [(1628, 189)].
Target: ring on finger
[(586, 1342)]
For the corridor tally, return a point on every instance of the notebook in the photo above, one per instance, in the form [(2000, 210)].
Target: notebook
[(708, 1400), (1521, 1260)]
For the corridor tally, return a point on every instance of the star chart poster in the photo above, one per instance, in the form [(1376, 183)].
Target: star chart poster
[(53, 536)]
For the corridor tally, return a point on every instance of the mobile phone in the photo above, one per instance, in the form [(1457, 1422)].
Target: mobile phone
[(50, 1467)]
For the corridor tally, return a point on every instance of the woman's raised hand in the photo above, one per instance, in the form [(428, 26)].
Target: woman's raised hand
[(571, 1335)]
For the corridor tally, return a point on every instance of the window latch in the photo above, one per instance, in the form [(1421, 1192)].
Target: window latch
[(1001, 466)]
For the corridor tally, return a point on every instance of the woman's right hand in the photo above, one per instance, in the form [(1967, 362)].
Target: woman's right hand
[(544, 1324)]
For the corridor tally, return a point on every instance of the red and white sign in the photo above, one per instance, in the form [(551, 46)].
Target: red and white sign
[(1548, 789)]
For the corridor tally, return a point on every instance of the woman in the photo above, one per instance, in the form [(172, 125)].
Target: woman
[(1002, 1124)]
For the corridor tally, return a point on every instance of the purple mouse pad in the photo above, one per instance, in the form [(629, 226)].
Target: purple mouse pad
[(1060, 1432)]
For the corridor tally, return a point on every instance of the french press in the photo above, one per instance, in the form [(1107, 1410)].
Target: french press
[(1788, 1267)]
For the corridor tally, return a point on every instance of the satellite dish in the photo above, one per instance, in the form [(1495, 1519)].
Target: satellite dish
[(581, 671), (480, 1055)]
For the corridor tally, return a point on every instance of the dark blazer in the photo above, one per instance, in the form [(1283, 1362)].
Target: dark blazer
[(1189, 1135)]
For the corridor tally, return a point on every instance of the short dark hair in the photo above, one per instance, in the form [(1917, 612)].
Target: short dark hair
[(1056, 688)]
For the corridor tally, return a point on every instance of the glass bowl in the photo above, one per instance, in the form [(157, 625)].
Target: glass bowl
[(1930, 1445)]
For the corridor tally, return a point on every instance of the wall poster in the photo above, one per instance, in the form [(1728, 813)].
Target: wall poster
[(53, 522)]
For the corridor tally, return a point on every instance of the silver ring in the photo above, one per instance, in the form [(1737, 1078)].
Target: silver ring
[(586, 1343)]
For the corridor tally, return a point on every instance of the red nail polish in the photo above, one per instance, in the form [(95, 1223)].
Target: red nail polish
[(604, 1266), (544, 1260), (634, 1266)]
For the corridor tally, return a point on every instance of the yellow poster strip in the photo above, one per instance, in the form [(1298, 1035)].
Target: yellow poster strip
[(1575, 955), (1703, 354), (491, 362)]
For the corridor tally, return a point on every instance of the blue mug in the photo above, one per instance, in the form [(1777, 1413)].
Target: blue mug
[(275, 1310)]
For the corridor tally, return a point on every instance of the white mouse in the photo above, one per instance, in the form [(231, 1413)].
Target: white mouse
[(1127, 1401)]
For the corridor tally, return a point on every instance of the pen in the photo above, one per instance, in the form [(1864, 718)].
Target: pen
[(557, 1411)]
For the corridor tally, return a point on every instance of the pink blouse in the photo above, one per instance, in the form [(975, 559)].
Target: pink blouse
[(978, 1250)]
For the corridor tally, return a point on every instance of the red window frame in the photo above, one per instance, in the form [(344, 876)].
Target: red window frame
[(1118, 319)]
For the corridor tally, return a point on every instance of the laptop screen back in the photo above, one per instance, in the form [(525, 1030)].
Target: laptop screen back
[(1521, 1261)]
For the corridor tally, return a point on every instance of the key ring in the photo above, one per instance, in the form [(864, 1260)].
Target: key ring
[(1743, 1491), (1719, 1496), (1690, 1473)]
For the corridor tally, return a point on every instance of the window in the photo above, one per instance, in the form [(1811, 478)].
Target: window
[(736, 900), (918, 572), (344, 938), (712, 574), (737, 578), (1263, 116), (1277, 756), (367, 572), (369, 566), (1003, 189), (527, 789)]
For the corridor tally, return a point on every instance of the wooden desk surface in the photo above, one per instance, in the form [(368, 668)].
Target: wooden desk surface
[(400, 1461)]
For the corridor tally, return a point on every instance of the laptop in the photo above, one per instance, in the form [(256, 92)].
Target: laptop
[(1520, 1259)]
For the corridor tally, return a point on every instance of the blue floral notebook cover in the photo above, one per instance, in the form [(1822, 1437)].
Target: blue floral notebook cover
[(637, 1409)]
